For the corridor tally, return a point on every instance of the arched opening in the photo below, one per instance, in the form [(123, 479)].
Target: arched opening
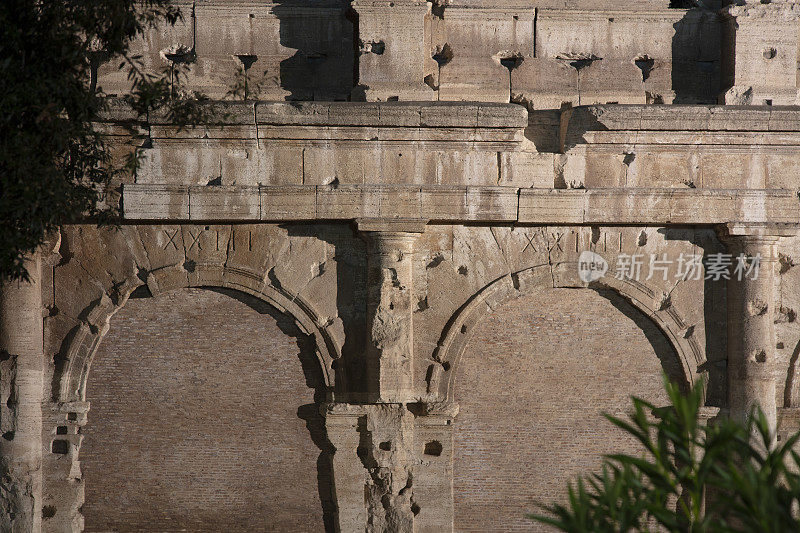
[(204, 417), (531, 385)]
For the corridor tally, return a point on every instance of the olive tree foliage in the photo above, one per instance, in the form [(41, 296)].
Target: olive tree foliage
[(691, 476), (55, 166)]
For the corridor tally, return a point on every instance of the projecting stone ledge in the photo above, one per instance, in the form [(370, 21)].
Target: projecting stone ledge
[(372, 114), (454, 204)]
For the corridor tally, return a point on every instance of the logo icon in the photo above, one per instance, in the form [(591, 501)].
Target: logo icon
[(591, 267)]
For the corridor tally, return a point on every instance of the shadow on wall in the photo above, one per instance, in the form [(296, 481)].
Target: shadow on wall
[(323, 36), (697, 53), (714, 315), (348, 252), (315, 422), (663, 348)]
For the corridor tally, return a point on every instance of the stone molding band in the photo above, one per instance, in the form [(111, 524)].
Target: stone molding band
[(456, 204)]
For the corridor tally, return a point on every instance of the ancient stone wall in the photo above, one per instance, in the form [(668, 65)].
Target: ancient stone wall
[(374, 315), (531, 387), (203, 408)]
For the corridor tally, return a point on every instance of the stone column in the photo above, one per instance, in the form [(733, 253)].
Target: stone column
[(751, 320), (21, 389), (390, 339)]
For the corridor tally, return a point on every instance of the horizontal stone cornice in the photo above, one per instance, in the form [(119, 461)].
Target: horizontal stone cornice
[(457, 204)]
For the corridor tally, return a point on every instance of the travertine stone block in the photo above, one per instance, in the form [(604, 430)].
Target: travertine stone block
[(392, 50), (761, 45)]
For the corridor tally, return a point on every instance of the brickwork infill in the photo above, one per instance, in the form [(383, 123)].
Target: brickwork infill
[(196, 422), (533, 382)]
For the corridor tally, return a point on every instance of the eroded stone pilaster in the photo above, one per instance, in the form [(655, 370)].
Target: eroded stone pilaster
[(751, 319), (373, 466), (389, 349), (21, 389)]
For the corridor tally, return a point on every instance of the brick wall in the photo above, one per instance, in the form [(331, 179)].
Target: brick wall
[(531, 386), (196, 422)]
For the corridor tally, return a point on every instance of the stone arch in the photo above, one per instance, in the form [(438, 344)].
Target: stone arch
[(243, 396), (650, 302), (70, 379)]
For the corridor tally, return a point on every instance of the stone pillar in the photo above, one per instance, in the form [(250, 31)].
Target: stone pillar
[(373, 466), (390, 339), (393, 50), (760, 52), (751, 320), (21, 390), (433, 473)]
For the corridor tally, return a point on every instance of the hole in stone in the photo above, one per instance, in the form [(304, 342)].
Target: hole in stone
[(435, 261), (4, 355), (247, 60), (463, 329), (415, 509), (377, 48), (72, 417), (628, 158), (443, 54), (779, 346), (769, 53), (8, 435), (385, 445), (510, 60), (767, 102), (433, 448), (189, 266), (61, 430), (446, 366), (578, 61), (430, 82), (142, 291), (60, 447), (463, 270), (48, 511), (760, 356), (645, 64)]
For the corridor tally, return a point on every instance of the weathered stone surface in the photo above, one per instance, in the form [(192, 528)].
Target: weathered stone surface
[(443, 211)]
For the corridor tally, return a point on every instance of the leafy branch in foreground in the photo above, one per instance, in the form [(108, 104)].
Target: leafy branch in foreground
[(691, 476), (55, 166)]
